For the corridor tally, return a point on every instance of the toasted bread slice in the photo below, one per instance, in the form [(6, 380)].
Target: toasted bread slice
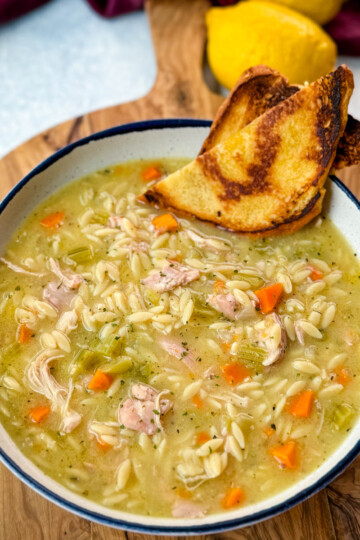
[(266, 179), (348, 150), (258, 89)]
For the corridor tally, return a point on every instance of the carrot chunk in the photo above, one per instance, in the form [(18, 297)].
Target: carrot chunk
[(285, 454), (270, 296), (151, 173), (165, 223), (202, 438), (235, 373), (301, 404), (197, 401), (39, 414), (23, 334), (315, 274), (233, 497), (219, 286), (342, 376), (53, 221), (100, 381)]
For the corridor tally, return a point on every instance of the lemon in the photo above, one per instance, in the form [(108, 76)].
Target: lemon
[(257, 32), (321, 11)]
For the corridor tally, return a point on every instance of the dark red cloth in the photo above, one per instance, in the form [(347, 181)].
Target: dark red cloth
[(345, 29), (111, 8), (10, 9)]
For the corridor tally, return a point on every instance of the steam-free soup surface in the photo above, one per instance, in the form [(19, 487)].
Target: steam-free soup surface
[(161, 366)]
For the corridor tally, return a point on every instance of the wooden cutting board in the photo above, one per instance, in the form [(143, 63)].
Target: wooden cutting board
[(178, 34)]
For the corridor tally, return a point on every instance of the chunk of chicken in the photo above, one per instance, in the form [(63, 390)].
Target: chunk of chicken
[(175, 348), (171, 276), (58, 295), (42, 382), (143, 411), (228, 305), (187, 509), (276, 347), (68, 278)]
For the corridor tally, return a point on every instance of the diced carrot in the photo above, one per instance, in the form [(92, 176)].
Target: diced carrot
[(151, 173), (219, 286), (233, 497), (197, 401), (202, 437), (53, 221), (270, 296), (235, 373), (103, 445), (184, 493), (100, 381), (285, 454), (268, 431), (39, 414), (315, 274), (342, 376), (301, 404), (165, 223), (24, 334)]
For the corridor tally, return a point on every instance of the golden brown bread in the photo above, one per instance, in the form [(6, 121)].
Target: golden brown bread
[(348, 150), (258, 89), (268, 178)]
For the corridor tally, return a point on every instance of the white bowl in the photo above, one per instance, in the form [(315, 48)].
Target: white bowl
[(157, 139)]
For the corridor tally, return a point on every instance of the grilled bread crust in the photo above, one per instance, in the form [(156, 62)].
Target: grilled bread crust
[(258, 89), (268, 178), (348, 150)]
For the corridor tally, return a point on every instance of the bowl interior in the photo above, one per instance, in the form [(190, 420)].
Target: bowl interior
[(156, 139)]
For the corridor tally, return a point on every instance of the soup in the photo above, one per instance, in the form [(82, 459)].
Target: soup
[(161, 366)]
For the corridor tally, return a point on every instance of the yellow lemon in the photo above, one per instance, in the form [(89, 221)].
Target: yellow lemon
[(257, 32), (321, 11)]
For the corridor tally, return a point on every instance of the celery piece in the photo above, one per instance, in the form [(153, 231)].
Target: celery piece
[(254, 281), (342, 415), (81, 255), (84, 360), (111, 346), (252, 353), (121, 365)]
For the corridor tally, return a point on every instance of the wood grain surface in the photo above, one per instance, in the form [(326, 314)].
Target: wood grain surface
[(178, 34)]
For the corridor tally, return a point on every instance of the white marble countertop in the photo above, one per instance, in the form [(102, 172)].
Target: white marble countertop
[(63, 60)]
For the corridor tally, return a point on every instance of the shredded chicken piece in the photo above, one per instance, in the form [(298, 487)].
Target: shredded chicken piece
[(171, 276), (19, 269), (278, 352), (42, 382), (58, 295), (143, 411), (173, 347), (228, 305), (188, 509), (69, 279)]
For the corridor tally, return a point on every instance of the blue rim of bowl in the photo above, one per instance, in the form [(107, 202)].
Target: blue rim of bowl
[(223, 524)]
